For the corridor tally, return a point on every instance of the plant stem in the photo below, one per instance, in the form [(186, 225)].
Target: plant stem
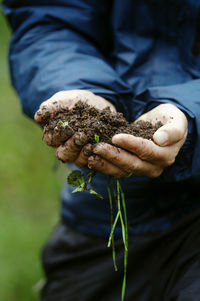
[(120, 199), (111, 238), (113, 228), (126, 245), (114, 191), (120, 213)]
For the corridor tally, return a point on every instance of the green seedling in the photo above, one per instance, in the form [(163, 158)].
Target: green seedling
[(63, 123), (96, 138)]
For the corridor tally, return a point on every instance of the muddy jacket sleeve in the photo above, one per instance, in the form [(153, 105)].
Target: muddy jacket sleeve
[(62, 45)]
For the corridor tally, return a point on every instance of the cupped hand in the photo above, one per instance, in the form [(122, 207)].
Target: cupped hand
[(73, 147), (141, 157)]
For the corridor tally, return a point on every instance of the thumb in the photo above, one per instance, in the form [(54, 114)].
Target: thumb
[(171, 132)]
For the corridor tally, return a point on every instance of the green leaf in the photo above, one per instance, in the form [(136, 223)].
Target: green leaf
[(79, 188), (96, 138), (63, 123), (95, 193), (75, 178)]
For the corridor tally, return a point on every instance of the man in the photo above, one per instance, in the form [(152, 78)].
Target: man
[(140, 58)]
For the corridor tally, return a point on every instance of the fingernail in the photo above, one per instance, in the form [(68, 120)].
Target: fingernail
[(115, 138), (88, 150), (161, 138)]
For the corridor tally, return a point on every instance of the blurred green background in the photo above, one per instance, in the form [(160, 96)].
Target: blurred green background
[(29, 191)]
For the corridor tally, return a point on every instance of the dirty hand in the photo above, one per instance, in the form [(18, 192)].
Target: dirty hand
[(142, 157), (74, 148)]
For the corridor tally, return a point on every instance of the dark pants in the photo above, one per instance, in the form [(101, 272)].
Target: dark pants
[(161, 267)]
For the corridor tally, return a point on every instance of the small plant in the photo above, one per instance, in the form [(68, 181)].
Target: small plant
[(96, 138), (63, 123), (83, 183), (77, 179)]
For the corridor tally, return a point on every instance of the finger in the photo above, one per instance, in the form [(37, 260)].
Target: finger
[(171, 132), (103, 166), (127, 161), (82, 159), (145, 149), (72, 147), (174, 123), (56, 136)]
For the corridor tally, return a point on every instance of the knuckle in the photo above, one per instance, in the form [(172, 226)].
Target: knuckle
[(50, 140), (133, 166), (109, 148), (80, 139), (70, 146), (146, 152), (62, 154), (170, 161), (155, 173), (61, 157), (44, 104), (115, 153), (115, 158)]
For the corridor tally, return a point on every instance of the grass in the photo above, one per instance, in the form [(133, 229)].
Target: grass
[(29, 192)]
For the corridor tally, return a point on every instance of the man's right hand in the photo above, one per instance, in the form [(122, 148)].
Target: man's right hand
[(75, 148)]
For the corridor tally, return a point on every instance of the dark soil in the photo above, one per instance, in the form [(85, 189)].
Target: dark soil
[(91, 121)]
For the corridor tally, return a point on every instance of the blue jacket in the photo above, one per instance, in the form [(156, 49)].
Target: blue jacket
[(135, 53)]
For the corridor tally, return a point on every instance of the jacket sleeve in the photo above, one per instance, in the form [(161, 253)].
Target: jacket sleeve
[(186, 96), (62, 45)]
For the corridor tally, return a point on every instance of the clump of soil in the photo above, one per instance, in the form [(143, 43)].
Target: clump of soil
[(92, 122)]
